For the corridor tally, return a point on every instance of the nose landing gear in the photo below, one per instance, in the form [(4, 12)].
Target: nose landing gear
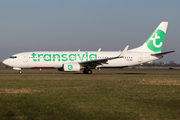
[(20, 72)]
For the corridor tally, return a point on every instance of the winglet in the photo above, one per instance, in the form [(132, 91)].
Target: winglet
[(99, 49), (123, 52)]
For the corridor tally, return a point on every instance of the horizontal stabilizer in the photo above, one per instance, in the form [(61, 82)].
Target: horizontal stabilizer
[(163, 53)]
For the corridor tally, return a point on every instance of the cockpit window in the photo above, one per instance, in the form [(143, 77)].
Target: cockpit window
[(13, 57)]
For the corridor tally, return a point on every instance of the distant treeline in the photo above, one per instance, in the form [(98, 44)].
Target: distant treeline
[(162, 64)]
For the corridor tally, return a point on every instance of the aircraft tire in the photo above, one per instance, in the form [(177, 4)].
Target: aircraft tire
[(84, 72), (20, 72), (87, 71)]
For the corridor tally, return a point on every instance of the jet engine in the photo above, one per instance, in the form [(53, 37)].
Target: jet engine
[(71, 67)]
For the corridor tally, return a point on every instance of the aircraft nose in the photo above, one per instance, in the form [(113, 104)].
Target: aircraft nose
[(6, 62)]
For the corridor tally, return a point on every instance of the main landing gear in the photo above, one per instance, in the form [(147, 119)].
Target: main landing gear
[(87, 71)]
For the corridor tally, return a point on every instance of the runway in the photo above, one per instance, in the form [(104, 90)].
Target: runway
[(103, 72), (79, 74)]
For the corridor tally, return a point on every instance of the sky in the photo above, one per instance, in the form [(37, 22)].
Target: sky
[(69, 25)]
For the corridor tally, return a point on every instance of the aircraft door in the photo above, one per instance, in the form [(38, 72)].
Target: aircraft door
[(25, 58), (140, 58)]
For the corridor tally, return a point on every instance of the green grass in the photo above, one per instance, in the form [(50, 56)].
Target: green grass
[(78, 96)]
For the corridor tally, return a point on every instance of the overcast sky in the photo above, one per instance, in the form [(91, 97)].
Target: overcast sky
[(61, 25)]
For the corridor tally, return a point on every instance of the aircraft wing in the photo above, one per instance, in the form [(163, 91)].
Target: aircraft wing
[(163, 53), (103, 61)]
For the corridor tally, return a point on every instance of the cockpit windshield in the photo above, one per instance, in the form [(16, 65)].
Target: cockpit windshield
[(13, 57)]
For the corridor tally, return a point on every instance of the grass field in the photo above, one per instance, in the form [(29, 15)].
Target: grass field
[(107, 94)]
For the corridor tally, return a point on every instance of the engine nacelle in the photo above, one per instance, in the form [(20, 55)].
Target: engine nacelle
[(71, 67)]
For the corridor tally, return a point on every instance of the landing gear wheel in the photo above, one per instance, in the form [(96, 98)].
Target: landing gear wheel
[(86, 71), (89, 72), (20, 72)]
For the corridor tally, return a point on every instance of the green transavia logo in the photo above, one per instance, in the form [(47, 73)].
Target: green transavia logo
[(155, 41), (63, 57), (70, 67)]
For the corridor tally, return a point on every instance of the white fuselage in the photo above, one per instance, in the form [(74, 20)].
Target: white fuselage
[(56, 59)]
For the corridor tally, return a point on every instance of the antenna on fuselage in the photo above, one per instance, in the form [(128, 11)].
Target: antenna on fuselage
[(99, 49)]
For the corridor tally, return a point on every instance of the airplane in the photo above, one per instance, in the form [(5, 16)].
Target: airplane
[(87, 60)]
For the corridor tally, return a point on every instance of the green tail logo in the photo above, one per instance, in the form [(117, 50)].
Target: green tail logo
[(155, 41)]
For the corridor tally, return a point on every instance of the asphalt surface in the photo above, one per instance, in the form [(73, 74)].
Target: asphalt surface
[(121, 74)]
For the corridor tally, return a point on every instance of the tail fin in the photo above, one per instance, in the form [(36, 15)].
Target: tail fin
[(155, 42)]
